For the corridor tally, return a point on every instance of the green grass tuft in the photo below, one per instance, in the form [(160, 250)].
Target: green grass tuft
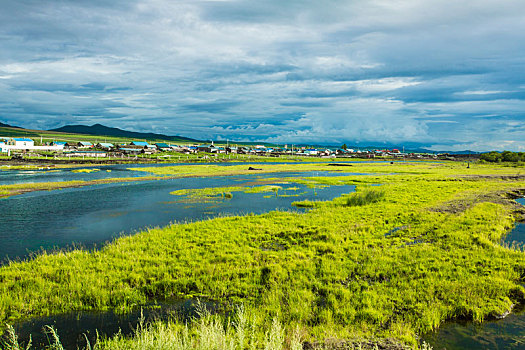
[(365, 197)]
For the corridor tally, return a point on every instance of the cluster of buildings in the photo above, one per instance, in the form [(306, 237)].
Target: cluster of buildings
[(81, 148), (105, 149)]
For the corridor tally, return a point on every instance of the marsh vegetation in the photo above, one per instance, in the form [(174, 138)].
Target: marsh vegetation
[(336, 274)]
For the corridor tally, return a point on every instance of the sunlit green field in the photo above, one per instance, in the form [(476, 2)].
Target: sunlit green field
[(335, 272)]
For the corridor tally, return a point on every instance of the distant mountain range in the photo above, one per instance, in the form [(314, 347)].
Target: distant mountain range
[(3, 125), (409, 148), (101, 130)]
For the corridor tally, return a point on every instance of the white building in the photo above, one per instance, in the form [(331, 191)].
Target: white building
[(311, 152), (28, 144), (21, 143)]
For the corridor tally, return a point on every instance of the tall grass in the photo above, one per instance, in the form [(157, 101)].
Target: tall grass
[(368, 196), (10, 340), (242, 331)]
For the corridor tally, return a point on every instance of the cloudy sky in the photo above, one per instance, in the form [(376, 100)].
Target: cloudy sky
[(436, 73)]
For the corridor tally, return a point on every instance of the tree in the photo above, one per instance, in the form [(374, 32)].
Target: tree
[(492, 157), (508, 156), (344, 146), (505, 156)]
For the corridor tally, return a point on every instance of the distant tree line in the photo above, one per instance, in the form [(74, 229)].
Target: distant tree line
[(505, 156)]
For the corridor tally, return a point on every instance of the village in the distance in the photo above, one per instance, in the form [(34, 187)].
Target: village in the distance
[(24, 147)]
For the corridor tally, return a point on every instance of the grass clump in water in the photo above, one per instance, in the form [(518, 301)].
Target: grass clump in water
[(85, 170), (10, 340), (263, 189), (304, 204), (241, 331), (208, 194), (365, 197), (211, 193)]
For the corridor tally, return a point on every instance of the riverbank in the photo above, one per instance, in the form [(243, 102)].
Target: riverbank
[(53, 163), (182, 171), (18, 189), (426, 250), (159, 173), (163, 159)]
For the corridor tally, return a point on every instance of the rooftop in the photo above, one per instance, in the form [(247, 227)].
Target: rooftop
[(22, 139)]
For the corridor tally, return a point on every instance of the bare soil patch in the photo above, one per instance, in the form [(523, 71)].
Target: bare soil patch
[(459, 205)]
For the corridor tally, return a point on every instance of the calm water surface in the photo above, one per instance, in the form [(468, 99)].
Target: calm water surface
[(94, 214), (508, 333), (73, 328), (517, 234)]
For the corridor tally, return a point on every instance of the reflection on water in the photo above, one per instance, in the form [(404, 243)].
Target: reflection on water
[(73, 327), (92, 215), (517, 234), (508, 333), (72, 174)]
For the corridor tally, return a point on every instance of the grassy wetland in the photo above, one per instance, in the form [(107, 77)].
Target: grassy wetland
[(379, 266), (157, 173)]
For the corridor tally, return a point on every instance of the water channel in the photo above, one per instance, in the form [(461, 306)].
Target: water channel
[(95, 214), (507, 333), (73, 328), (92, 215)]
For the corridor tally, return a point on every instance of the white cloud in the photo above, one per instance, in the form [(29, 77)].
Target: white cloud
[(429, 72), (482, 92), (481, 146), (385, 84)]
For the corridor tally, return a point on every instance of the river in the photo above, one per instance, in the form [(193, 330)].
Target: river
[(92, 215)]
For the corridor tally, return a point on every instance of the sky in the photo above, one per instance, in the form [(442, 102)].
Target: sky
[(440, 74)]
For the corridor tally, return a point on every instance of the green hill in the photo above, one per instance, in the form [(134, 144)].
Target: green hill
[(4, 125), (13, 131), (95, 133), (101, 130)]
